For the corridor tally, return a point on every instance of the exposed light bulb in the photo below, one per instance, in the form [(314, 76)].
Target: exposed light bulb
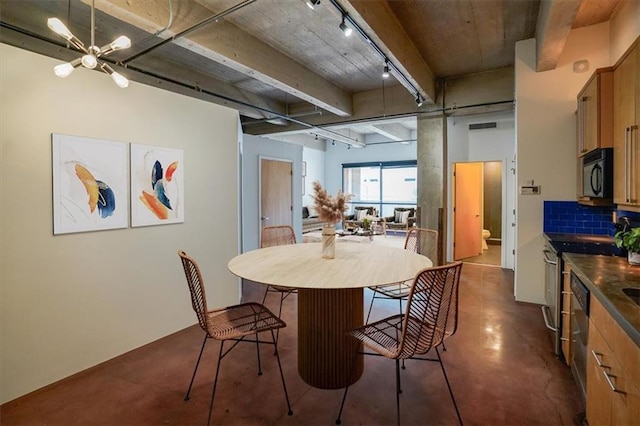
[(345, 29), (89, 61), (120, 80), (63, 70), (312, 4), (59, 28), (385, 72), (122, 42)]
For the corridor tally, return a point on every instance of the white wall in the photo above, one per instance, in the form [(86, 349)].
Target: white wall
[(497, 144), (315, 171), (255, 147), (69, 302), (545, 142)]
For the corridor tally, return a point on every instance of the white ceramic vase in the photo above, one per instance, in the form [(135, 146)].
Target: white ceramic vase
[(633, 258)]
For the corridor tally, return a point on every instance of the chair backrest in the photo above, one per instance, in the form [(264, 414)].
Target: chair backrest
[(432, 309), (423, 241), (371, 211), (196, 288), (277, 236)]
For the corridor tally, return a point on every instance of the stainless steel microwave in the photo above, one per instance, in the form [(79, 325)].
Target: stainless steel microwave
[(597, 173)]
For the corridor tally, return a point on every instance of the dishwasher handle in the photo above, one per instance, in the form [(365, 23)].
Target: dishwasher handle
[(548, 256), (547, 318)]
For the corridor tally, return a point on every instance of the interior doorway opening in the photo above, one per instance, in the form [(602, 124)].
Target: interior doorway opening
[(488, 194)]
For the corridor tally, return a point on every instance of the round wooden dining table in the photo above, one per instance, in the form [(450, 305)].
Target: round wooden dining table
[(330, 298)]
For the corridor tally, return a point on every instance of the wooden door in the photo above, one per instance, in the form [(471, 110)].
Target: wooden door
[(276, 195), (467, 210)]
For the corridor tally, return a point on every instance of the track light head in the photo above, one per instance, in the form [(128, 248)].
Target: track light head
[(312, 4), (419, 100), (385, 71), (348, 146), (333, 143), (347, 30)]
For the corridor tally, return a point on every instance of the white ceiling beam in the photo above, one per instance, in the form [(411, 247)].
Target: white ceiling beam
[(234, 48), (395, 132), (555, 20), (377, 19)]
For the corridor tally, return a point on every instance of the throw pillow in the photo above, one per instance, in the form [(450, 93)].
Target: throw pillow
[(398, 216), (312, 211), (405, 217), (361, 214)]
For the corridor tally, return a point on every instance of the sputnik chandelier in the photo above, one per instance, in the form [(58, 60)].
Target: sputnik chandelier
[(92, 54)]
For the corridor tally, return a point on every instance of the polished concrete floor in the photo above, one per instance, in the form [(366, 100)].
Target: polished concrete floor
[(490, 256), (500, 364)]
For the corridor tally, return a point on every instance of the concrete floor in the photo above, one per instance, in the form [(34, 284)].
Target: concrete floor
[(500, 363)]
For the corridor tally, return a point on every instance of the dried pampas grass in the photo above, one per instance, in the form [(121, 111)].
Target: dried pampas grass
[(330, 209)]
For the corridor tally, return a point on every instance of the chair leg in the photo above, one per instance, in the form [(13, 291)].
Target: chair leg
[(400, 302), (186, 397), (286, 394), (449, 386), (373, 298), (282, 296), (398, 391), (258, 352), (215, 383), (344, 397)]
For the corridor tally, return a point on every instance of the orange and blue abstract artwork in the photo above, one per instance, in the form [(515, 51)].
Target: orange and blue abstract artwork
[(89, 184), (157, 184), (100, 195), (158, 201)]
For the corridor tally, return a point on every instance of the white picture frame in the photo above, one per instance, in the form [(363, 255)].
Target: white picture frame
[(90, 184), (157, 185)]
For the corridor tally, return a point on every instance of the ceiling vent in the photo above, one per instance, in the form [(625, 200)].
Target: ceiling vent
[(479, 126)]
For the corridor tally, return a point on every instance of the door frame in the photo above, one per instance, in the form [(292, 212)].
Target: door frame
[(259, 202), (507, 260)]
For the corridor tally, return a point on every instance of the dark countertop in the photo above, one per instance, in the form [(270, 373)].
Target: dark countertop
[(605, 277), (581, 243)]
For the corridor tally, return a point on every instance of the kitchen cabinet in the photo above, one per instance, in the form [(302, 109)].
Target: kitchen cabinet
[(613, 371), (566, 314), (595, 112), (626, 139)]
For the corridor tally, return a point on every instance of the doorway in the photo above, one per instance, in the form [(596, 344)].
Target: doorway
[(276, 192), (478, 212)]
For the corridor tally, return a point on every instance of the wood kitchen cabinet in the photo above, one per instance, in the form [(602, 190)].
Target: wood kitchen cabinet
[(626, 138), (595, 112), (613, 371), (565, 337)]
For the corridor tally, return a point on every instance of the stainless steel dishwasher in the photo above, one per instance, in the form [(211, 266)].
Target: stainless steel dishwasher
[(552, 293), (579, 332)]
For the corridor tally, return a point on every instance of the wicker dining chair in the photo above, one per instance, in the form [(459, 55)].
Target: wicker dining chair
[(232, 323), (419, 240), (431, 304), (277, 236)]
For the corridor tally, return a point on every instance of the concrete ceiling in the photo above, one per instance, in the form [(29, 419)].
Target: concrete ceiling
[(293, 74)]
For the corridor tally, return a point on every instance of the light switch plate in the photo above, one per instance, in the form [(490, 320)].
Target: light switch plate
[(530, 190)]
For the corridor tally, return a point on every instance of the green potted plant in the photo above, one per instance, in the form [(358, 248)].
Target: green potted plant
[(366, 223), (629, 240)]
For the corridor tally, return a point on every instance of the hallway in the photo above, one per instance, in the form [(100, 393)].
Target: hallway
[(500, 363)]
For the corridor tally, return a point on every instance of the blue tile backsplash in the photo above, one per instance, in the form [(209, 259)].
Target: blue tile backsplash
[(569, 217)]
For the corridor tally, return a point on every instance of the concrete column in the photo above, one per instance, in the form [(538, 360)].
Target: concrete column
[(432, 178)]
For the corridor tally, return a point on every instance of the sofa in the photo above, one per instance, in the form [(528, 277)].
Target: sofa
[(403, 218), (354, 220), (310, 220)]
